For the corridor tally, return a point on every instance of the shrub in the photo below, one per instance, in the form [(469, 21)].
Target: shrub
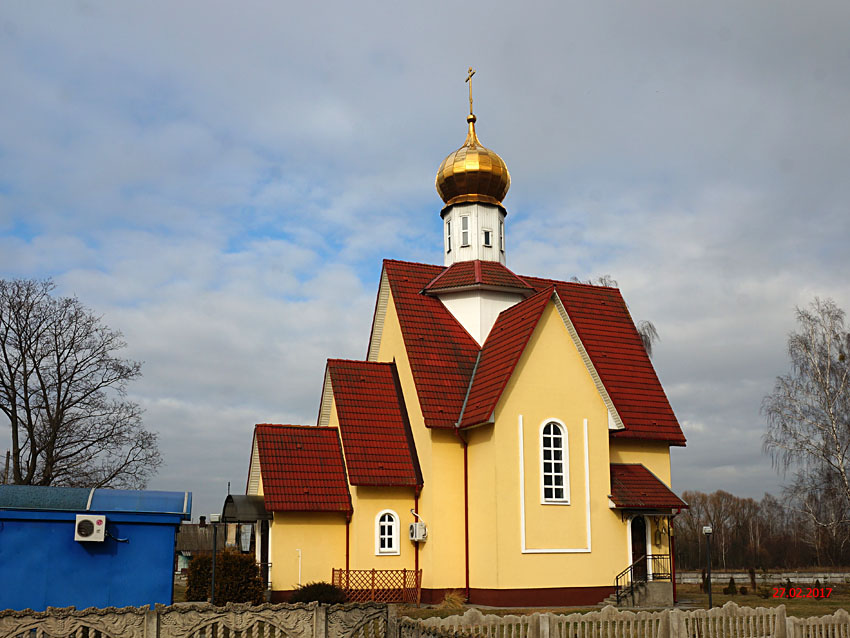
[(237, 579), (453, 599), (752, 573), (744, 591), (731, 589), (318, 592), (198, 578)]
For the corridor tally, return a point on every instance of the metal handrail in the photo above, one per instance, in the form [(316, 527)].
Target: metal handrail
[(660, 570)]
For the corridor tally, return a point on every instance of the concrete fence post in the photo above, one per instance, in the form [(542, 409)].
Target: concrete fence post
[(780, 627), (320, 621), (392, 622), (790, 627), (676, 624), (152, 623)]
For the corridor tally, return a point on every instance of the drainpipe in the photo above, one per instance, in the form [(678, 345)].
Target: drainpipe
[(299, 566), (466, 512), (671, 546), (347, 540), (465, 446), (416, 545)]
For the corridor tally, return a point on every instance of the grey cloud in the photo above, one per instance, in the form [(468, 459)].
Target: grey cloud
[(221, 180)]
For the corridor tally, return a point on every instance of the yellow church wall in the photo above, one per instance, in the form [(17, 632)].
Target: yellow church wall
[(368, 503), (654, 455), (320, 537), (441, 557), (442, 508), (550, 382)]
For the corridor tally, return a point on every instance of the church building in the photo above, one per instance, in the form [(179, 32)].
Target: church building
[(506, 436)]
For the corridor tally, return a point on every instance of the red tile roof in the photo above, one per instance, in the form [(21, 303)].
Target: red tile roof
[(376, 435), (500, 354), (633, 486), (442, 354), (606, 330), (302, 468), (464, 274)]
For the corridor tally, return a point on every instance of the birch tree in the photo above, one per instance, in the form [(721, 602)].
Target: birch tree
[(808, 418)]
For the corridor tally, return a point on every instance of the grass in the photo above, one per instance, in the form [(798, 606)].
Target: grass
[(691, 596), (179, 590)]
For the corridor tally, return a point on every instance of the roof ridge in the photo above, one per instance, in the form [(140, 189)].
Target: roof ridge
[(384, 363), (512, 272), (439, 276), (284, 425), (413, 263), (559, 282)]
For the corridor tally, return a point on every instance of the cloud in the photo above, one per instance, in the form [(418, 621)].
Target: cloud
[(222, 182)]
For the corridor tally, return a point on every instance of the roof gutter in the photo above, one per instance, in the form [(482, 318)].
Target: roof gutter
[(468, 390)]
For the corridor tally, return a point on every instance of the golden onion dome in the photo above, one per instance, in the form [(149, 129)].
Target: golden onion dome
[(473, 173)]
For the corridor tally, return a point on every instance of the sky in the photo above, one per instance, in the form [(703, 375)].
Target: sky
[(220, 181)]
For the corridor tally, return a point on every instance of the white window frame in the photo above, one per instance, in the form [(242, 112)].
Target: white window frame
[(502, 235), (487, 237), (394, 548), (464, 230), (448, 236), (564, 474)]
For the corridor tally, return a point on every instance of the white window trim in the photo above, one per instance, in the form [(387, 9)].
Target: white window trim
[(502, 235), (464, 232), (524, 548), (566, 463), (629, 554), (395, 549), (484, 232), (449, 236)]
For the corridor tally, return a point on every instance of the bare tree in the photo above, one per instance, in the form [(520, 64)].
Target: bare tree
[(63, 390), (645, 328), (808, 420)]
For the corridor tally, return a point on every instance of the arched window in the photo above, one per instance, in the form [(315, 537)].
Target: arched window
[(554, 464), (386, 533)]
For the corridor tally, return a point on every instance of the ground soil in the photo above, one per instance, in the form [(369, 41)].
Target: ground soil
[(690, 597), (796, 603)]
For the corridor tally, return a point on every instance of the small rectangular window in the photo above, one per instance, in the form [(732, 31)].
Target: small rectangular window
[(502, 236), (464, 230), (488, 238), (448, 237)]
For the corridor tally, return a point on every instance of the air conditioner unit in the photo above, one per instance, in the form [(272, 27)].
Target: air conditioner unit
[(90, 527), (418, 532)]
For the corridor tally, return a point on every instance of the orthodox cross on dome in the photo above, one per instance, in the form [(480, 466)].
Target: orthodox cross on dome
[(468, 80)]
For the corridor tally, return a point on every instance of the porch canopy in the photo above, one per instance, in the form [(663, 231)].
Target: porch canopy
[(634, 487), (241, 508)]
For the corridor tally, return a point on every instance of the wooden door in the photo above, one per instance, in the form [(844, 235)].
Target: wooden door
[(639, 548)]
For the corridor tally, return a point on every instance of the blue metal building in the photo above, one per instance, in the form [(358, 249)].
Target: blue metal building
[(63, 546)]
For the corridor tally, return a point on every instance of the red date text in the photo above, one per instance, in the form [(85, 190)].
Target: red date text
[(802, 592)]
